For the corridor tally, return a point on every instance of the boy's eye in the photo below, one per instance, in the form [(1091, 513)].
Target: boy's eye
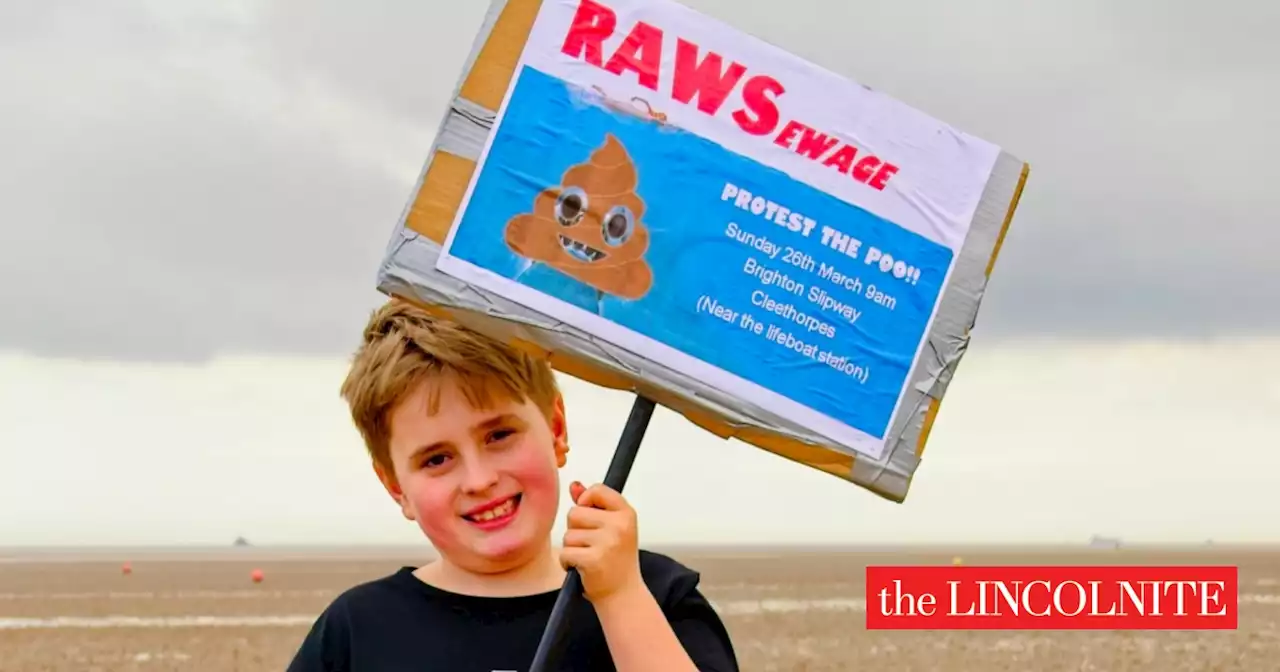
[(501, 434), (433, 461)]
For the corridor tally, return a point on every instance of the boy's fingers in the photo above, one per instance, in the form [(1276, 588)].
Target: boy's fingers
[(585, 517), (604, 497), (575, 491), (578, 538), (578, 556)]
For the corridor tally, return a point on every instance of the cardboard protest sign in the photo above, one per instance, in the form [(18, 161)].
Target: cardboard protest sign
[(658, 202)]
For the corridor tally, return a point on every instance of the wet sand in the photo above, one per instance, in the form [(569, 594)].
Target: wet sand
[(791, 609)]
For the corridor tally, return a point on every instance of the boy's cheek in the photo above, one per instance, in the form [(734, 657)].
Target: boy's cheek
[(441, 530), (436, 518), (432, 506), (537, 474)]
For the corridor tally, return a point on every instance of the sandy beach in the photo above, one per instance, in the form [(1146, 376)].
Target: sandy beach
[(788, 609)]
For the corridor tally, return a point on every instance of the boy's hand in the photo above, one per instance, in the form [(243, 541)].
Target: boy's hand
[(601, 542)]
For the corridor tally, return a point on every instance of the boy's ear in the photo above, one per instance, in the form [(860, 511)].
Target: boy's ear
[(560, 431), (389, 482)]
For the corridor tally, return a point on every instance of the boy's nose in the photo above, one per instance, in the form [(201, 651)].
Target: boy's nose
[(479, 476)]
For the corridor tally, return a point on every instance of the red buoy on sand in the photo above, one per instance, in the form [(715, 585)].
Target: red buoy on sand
[(257, 576), (126, 569)]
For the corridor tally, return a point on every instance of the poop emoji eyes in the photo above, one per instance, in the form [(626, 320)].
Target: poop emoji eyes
[(616, 227), (618, 224), (571, 206)]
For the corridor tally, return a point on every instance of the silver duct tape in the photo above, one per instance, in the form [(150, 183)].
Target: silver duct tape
[(409, 270), (948, 337), (466, 128)]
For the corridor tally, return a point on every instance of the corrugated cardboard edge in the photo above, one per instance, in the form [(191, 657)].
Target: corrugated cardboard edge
[(408, 272)]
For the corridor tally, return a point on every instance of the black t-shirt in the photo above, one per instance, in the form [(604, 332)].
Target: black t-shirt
[(400, 624)]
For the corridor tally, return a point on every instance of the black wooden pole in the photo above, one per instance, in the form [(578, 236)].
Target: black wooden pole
[(553, 637)]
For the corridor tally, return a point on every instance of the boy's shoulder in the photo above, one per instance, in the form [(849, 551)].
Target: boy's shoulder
[(692, 616), (334, 637), (668, 579), (389, 586)]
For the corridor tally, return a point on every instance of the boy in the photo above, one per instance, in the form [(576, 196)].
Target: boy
[(467, 436)]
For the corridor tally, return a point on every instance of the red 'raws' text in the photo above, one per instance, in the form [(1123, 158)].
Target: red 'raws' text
[(706, 77)]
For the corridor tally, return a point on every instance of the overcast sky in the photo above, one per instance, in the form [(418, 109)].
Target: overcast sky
[(197, 183), (174, 172)]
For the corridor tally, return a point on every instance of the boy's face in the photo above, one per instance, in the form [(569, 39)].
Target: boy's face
[(482, 484)]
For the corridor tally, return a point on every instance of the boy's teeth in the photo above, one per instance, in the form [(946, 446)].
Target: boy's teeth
[(498, 511)]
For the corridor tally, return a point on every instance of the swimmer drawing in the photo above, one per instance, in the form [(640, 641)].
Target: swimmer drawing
[(639, 108), (590, 227)]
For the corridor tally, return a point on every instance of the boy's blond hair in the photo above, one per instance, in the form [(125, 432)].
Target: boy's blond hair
[(404, 346)]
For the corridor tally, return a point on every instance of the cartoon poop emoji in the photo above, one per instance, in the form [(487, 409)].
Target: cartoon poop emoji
[(589, 227)]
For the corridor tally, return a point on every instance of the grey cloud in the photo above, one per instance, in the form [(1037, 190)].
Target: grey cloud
[(183, 179)]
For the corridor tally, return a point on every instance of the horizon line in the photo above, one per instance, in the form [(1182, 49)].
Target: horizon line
[(1109, 544)]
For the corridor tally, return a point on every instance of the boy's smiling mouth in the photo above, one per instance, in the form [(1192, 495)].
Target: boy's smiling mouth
[(495, 513)]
